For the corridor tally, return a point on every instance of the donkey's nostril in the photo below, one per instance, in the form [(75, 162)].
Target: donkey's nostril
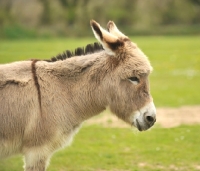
[(150, 119)]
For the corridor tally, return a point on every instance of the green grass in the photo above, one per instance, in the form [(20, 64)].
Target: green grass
[(116, 149), (175, 81)]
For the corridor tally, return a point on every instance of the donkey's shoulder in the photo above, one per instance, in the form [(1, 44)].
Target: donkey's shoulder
[(15, 73)]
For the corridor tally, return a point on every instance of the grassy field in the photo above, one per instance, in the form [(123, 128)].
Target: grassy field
[(116, 149), (175, 81)]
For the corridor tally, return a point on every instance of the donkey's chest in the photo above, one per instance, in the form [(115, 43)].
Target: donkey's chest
[(59, 139), (64, 138)]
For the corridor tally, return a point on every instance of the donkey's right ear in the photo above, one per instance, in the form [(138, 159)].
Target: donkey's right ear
[(109, 42)]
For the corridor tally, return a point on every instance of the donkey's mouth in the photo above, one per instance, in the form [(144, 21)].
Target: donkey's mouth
[(138, 125), (142, 127)]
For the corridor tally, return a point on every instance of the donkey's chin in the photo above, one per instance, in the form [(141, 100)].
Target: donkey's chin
[(141, 126)]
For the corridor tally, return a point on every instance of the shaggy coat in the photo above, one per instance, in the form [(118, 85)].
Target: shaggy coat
[(44, 102)]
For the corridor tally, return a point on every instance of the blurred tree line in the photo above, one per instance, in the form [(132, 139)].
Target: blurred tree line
[(33, 18)]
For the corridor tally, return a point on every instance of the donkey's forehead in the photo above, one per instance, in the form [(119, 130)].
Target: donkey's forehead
[(136, 59)]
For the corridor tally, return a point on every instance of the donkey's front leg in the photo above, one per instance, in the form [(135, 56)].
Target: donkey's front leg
[(36, 160)]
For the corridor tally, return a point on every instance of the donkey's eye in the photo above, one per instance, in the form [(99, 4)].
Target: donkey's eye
[(134, 80)]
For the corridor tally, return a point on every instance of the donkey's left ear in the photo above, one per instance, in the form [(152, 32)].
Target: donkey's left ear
[(109, 42), (112, 28)]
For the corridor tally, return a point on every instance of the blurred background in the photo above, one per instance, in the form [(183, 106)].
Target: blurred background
[(168, 32), (47, 18)]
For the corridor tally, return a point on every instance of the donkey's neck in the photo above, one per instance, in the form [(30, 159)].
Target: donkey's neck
[(75, 80)]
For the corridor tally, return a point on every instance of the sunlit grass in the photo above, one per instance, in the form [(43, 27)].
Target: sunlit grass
[(119, 149), (175, 81)]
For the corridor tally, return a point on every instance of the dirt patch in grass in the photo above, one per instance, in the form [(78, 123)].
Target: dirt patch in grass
[(166, 117)]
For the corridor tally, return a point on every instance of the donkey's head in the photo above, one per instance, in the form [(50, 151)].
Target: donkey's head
[(126, 85)]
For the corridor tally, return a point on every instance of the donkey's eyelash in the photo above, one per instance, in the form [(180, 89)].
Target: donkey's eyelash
[(135, 79)]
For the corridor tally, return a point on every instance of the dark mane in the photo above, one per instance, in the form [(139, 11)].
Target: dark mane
[(89, 49)]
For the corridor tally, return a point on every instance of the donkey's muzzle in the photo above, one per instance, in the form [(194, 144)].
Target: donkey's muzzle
[(145, 117)]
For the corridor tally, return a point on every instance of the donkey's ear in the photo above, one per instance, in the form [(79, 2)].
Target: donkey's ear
[(109, 42), (112, 28)]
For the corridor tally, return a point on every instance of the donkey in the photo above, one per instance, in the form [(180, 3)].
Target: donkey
[(44, 102)]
